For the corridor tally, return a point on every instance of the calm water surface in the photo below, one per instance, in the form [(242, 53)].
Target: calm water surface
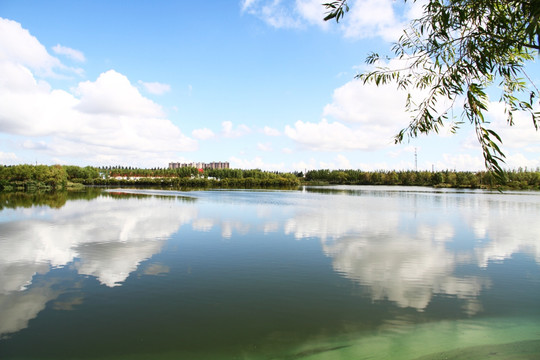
[(322, 273)]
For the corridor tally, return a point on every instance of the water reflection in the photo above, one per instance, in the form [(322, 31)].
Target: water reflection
[(53, 200), (405, 270), (404, 247), (18, 307), (392, 243), (107, 238)]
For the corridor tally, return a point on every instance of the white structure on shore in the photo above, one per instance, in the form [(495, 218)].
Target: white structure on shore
[(199, 165)]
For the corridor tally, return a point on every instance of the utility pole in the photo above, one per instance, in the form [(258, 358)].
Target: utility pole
[(415, 160)]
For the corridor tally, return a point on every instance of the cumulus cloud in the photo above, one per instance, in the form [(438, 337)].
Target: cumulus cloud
[(517, 160), (110, 116), (367, 117), (112, 93), (305, 165), (275, 13), (343, 162), (7, 158), (339, 162), (286, 14), (367, 18), (100, 121), (335, 136), (462, 162), (155, 88), (69, 52), (520, 142), (271, 132), (203, 134), (356, 102), (256, 163), (19, 46), (229, 131), (522, 135), (312, 12), (264, 146), (246, 4)]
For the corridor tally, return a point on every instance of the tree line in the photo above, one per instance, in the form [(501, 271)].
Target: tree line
[(57, 177), (514, 179)]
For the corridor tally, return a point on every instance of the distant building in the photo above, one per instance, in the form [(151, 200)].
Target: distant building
[(199, 165)]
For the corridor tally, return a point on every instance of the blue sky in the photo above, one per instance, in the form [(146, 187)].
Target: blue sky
[(259, 83)]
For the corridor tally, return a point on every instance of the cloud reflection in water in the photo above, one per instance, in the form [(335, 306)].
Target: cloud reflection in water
[(402, 247), (410, 258), (106, 238)]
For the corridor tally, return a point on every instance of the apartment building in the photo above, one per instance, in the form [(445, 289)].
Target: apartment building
[(200, 165)]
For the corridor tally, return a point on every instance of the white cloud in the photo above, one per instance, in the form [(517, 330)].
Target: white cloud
[(102, 120), (203, 134), (229, 131), (112, 93), (335, 136), (368, 117), (303, 165), (522, 135), (340, 162), (279, 17), (271, 132), (520, 142), (356, 102), (312, 11), (155, 88), (264, 147), (275, 13), (7, 158), (110, 116), (343, 162), (407, 149), (30, 107), (246, 4), (461, 162), (69, 52), (18, 46), (367, 18), (370, 18), (514, 161), (256, 163)]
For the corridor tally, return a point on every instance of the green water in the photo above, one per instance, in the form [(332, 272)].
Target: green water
[(341, 273)]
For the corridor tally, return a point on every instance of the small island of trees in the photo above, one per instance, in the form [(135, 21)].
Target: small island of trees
[(58, 177)]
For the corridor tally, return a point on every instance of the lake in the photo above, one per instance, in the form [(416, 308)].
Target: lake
[(346, 272)]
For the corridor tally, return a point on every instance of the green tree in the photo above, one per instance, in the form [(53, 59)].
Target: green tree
[(456, 51)]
